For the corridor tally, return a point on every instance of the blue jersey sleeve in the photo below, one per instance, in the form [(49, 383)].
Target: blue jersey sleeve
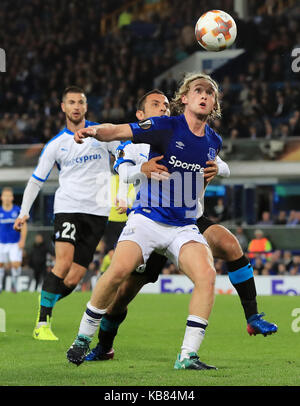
[(155, 131)]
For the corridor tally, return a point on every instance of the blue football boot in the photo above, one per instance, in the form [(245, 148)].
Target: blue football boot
[(257, 325), (97, 354)]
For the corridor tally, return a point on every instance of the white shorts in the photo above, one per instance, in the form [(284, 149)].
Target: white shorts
[(10, 253), (163, 238)]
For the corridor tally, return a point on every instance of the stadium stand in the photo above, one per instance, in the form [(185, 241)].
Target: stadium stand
[(115, 49)]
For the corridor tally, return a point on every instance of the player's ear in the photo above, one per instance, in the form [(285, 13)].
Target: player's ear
[(62, 105), (140, 115), (183, 99)]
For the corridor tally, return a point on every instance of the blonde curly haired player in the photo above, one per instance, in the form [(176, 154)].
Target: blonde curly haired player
[(178, 106)]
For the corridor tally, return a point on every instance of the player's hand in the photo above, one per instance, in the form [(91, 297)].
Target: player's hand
[(19, 222), (210, 171), (83, 133), (121, 206), (154, 170)]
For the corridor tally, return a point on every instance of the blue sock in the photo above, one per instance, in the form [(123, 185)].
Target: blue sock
[(240, 273)]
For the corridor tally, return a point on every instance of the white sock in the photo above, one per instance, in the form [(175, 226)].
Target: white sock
[(15, 273), (90, 320), (1, 277), (194, 335)]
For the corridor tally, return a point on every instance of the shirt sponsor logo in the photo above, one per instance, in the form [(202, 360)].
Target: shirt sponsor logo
[(82, 160), (177, 163)]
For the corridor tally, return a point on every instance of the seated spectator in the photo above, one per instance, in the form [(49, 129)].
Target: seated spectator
[(258, 264), (287, 259), (281, 218), (268, 130), (242, 238), (283, 131), (267, 269), (276, 260), (219, 211), (294, 123), (259, 244), (294, 271), (266, 219), (282, 270), (295, 266), (293, 219)]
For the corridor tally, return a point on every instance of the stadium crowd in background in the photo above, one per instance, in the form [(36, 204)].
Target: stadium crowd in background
[(45, 53), (261, 99)]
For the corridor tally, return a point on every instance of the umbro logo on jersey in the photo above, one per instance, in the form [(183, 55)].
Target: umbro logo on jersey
[(63, 149), (180, 144)]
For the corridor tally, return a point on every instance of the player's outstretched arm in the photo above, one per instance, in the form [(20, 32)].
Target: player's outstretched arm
[(105, 132), (30, 193)]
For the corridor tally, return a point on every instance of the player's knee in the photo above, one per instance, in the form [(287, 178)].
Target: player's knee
[(206, 278), (63, 265), (119, 273), (231, 248), (72, 280)]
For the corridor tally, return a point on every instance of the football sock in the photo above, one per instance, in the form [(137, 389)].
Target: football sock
[(108, 330), (194, 335), (15, 273), (2, 272), (240, 273), (49, 295), (90, 320), (65, 290)]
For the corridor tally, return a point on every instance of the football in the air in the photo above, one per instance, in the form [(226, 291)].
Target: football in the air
[(215, 30)]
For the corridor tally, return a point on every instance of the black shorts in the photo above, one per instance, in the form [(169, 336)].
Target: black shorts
[(112, 233), (84, 231), (203, 223), (153, 267)]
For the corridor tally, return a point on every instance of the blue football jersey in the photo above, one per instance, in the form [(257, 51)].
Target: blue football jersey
[(174, 201), (7, 219)]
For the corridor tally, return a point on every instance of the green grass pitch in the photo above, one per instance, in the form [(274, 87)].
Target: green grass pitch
[(148, 342)]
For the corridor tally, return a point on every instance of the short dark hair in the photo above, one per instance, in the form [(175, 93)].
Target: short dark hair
[(141, 102), (7, 189), (72, 89)]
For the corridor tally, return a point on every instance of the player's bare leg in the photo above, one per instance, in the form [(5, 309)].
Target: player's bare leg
[(224, 245), (115, 315), (16, 269), (51, 290), (127, 257), (72, 279), (196, 261), (2, 273)]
